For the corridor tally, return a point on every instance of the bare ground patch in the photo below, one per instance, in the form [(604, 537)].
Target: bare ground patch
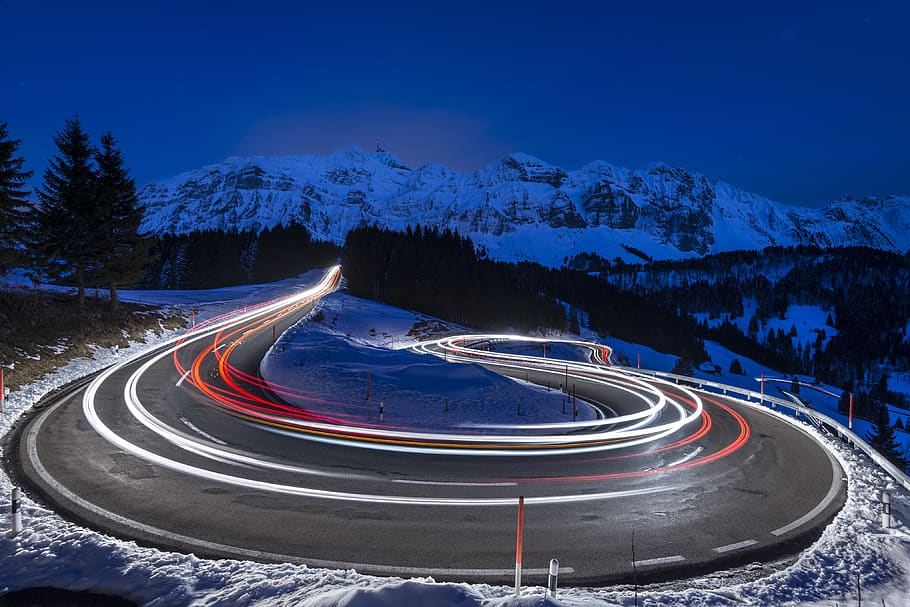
[(42, 331)]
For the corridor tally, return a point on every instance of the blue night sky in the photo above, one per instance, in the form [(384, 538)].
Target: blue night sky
[(797, 101)]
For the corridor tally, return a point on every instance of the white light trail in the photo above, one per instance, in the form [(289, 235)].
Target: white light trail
[(560, 439)]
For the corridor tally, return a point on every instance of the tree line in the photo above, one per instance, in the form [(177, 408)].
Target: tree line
[(85, 229), (866, 293), (439, 273), (209, 259)]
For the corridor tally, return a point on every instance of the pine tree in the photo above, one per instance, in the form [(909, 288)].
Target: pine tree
[(736, 367), (13, 197), (683, 366), (881, 437), (66, 225), (123, 250)]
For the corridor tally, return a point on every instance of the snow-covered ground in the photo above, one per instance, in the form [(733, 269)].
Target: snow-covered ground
[(854, 550), (809, 321), (360, 345)]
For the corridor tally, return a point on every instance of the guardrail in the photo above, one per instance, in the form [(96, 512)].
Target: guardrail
[(899, 475)]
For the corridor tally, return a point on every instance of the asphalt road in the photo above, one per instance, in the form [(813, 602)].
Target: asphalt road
[(699, 505)]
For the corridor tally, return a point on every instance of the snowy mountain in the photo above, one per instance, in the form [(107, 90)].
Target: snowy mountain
[(518, 208)]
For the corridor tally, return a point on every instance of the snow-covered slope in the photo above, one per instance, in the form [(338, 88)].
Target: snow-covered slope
[(517, 208)]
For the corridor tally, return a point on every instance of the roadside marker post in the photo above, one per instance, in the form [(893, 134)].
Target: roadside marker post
[(381, 412), (574, 404), (2, 393), (886, 510), (16, 511), (521, 524), (554, 578), (850, 417)]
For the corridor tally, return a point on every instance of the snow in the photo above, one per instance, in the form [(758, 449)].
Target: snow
[(809, 321), (54, 552), (415, 390), (515, 207)]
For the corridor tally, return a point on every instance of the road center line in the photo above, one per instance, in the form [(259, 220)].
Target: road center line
[(183, 377)]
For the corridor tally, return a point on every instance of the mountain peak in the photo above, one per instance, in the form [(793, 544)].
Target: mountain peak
[(519, 207), (390, 160)]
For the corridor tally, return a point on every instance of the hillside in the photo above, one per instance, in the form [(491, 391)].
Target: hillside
[(40, 331)]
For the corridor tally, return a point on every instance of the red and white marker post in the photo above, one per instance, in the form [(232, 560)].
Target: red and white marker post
[(850, 416), (521, 525)]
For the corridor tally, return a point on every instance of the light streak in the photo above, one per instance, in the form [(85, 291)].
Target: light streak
[(659, 415)]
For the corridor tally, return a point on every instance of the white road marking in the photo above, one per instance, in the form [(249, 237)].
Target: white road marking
[(736, 546), (31, 443), (193, 427), (660, 561), (833, 492), (686, 458), (183, 377)]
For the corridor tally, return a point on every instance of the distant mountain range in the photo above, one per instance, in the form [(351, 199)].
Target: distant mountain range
[(518, 208)]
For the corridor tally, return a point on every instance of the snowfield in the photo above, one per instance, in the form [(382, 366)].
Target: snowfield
[(855, 551), (331, 363)]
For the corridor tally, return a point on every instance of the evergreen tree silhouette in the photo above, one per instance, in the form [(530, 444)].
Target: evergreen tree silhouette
[(13, 198)]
